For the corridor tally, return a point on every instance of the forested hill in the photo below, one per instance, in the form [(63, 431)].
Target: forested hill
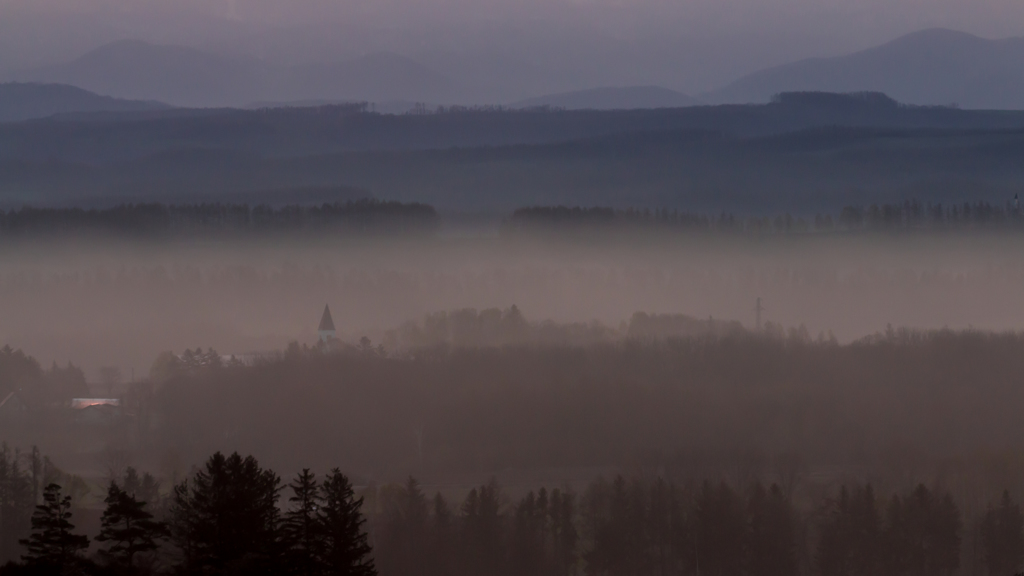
[(27, 100), (288, 132), (802, 153), (803, 173)]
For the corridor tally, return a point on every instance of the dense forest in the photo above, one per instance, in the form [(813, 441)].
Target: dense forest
[(815, 170), (909, 215), (383, 217), (224, 519), (159, 220), (687, 447), (314, 130), (232, 516), (899, 403)]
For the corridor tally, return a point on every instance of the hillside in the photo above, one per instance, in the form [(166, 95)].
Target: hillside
[(25, 101), (815, 170), (624, 98), (803, 152), (290, 132), (195, 78), (931, 67)]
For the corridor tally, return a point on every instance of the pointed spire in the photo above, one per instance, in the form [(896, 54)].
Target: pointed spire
[(326, 322)]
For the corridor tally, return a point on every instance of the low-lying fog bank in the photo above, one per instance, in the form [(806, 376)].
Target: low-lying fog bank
[(118, 303)]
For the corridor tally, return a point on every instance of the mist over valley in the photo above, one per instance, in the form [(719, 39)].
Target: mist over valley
[(511, 289)]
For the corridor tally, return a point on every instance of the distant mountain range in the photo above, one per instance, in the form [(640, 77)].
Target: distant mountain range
[(189, 77), (25, 101), (625, 98), (929, 67)]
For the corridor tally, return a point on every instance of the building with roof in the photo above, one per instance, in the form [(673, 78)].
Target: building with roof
[(326, 328), (97, 411), (13, 409)]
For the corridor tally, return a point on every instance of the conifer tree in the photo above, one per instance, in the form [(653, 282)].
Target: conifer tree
[(404, 538), (52, 543), (15, 504), (1002, 536), (528, 545), (720, 530), (563, 531), (442, 537), (771, 539), (301, 527), (226, 517), (346, 551), (128, 527), (143, 488)]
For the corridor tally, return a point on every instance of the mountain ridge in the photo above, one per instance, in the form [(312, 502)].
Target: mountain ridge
[(930, 67), (191, 77), (20, 101)]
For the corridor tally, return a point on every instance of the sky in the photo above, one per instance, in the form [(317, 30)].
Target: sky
[(688, 45)]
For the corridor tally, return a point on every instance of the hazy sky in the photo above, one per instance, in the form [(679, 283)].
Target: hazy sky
[(691, 45)]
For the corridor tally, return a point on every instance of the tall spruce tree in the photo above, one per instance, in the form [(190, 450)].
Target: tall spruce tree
[(53, 546), (850, 537), (771, 542), (16, 504), (346, 551), (226, 518), (563, 531), (302, 529), (442, 538), (403, 542), (127, 528), (1002, 537)]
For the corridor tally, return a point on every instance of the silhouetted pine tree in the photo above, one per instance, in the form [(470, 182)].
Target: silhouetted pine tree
[(345, 548), (128, 528), (482, 531), (921, 535), (1002, 537), (720, 531), (226, 518), (564, 536), (619, 537), (301, 528), (849, 542), (402, 548), (528, 535), (442, 541), (143, 488), (771, 543), (15, 504), (52, 545), (661, 520)]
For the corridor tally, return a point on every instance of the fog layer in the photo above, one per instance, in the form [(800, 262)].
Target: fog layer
[(121, 304)]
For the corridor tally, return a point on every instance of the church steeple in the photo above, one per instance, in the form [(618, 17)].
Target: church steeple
[(326, 328)]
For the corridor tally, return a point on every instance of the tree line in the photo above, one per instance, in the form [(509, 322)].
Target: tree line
[(368, 215), (642, 525), (353, 216), (909, 215), (226, 518)]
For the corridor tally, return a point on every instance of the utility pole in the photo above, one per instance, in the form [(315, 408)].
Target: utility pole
[(757, 311)]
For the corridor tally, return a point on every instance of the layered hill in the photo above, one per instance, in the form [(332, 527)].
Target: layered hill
[(185, 76), (25, 101), (931, 67), (612, 98), (318, 130)]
